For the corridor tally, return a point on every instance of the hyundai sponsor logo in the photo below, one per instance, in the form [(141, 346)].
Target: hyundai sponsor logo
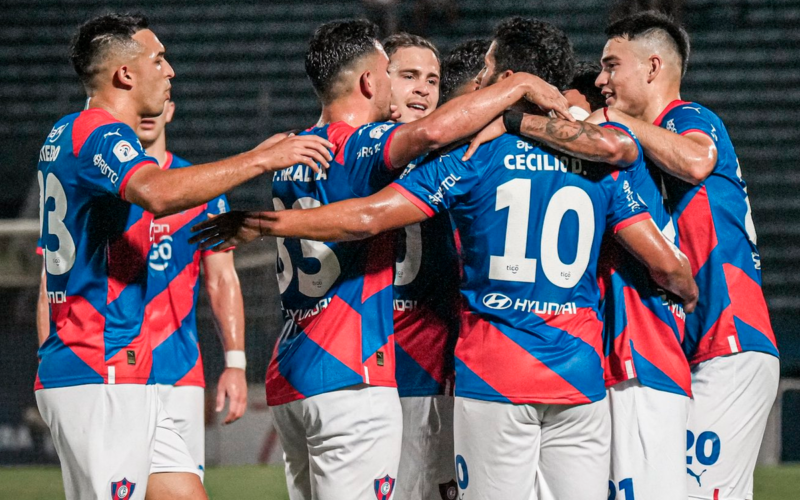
[(496, 301)]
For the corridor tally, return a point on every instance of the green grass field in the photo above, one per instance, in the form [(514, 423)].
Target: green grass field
[(267, 483)]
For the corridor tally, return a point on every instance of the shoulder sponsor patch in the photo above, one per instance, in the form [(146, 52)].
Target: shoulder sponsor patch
[(124, 151), (378, 131)]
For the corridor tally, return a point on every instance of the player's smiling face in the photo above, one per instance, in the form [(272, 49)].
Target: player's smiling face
[(624, 78), (414, 72), (152, 72)]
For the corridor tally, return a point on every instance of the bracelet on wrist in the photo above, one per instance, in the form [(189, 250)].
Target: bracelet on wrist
[(235, 359), (512, 120)]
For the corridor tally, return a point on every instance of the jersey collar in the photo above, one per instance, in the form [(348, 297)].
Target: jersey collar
[(674, 104)]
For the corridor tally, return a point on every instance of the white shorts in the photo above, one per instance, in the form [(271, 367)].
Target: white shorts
[(104, 436), (185, 406), (531, 452), (426, 460), (733, 396), (648, 443), (343, 444)]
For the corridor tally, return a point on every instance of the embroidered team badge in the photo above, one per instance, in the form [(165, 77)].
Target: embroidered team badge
[(122, 490), (384, 487)]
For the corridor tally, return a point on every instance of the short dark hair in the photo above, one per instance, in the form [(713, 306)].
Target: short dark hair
[(98, 37), (586, 74), (403, 40), (335, 46), (646, 23), (535, 47), (462, 64)]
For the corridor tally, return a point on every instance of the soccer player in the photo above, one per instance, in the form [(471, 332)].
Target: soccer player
[(582, 93), (461, 67), (331, 382), (425, 301), (94, 386), (530, 392), (729, 339), (172, 291)]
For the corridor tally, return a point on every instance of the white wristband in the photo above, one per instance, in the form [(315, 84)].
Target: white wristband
[(235, 359)]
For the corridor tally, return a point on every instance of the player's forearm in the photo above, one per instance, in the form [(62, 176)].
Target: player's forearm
[(43, 311), (581, 139), (163, 192), (225, 297), (457, 119), (676, 276), (677, 155)]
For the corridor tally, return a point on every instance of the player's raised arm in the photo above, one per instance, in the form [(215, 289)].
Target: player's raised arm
[(584, 139), (690, 157), (352, 219), (466, 115), (163, 192), (667, 265)]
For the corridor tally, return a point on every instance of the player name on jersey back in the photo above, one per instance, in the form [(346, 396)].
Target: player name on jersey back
[(717, 234), (530, 239)]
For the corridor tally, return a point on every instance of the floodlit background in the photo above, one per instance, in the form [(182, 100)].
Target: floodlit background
[(240, 77)]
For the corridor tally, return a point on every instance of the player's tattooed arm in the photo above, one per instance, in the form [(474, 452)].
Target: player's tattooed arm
[(691, 157), (468, 114), (352, 219), (163, 192), (667, 265), (580, 139)]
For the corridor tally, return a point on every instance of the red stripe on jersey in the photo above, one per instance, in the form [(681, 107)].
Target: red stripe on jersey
[(387, 157), (716, 341), (127, 256), (697, 234), (423, 335), (747, 300), (80, 327), (280, 390), (507, 367), (37, 385), (695, 131), (194, 377), (631, 221), (124, 184), (164, 314), (382, 374), (143, 361), (655, 341), (339, 133), (608, 125), (584, 324), (86, 123), (716, 493), (339, 317), (674, 104), (379, 269), (413, 199)]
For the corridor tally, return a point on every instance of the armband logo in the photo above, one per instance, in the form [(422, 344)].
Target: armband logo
[(671, 126), (378, 131), (56, 133), (124, 151)]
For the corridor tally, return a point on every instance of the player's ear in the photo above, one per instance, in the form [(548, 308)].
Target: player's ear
[(505, 74), (366, 85), (655, 64), (123, 77), (169, 109)]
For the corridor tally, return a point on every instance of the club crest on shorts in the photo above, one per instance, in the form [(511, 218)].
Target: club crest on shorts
[(449, 490), (384, 487), (122, 490)]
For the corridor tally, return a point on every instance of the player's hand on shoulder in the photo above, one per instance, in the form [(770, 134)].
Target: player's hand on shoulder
[(489, 133), (284, 152), (226, 230), (547, 97)]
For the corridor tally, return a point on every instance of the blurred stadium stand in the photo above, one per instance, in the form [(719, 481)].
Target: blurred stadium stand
[(240, 77)]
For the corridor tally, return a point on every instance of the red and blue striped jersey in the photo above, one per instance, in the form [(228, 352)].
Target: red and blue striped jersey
[(643, 326), (716, 232), (336, 297), (530, 222), (95, 248), (426, 306), (173, 286)]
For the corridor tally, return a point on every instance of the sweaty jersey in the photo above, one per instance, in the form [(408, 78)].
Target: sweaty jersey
[(95, 248), (530, 223), (426, 304), (336, 297), (643, 327), (172, 291), (716, 232)]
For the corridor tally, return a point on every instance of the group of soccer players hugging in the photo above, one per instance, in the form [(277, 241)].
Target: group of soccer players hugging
[(504, 275)]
